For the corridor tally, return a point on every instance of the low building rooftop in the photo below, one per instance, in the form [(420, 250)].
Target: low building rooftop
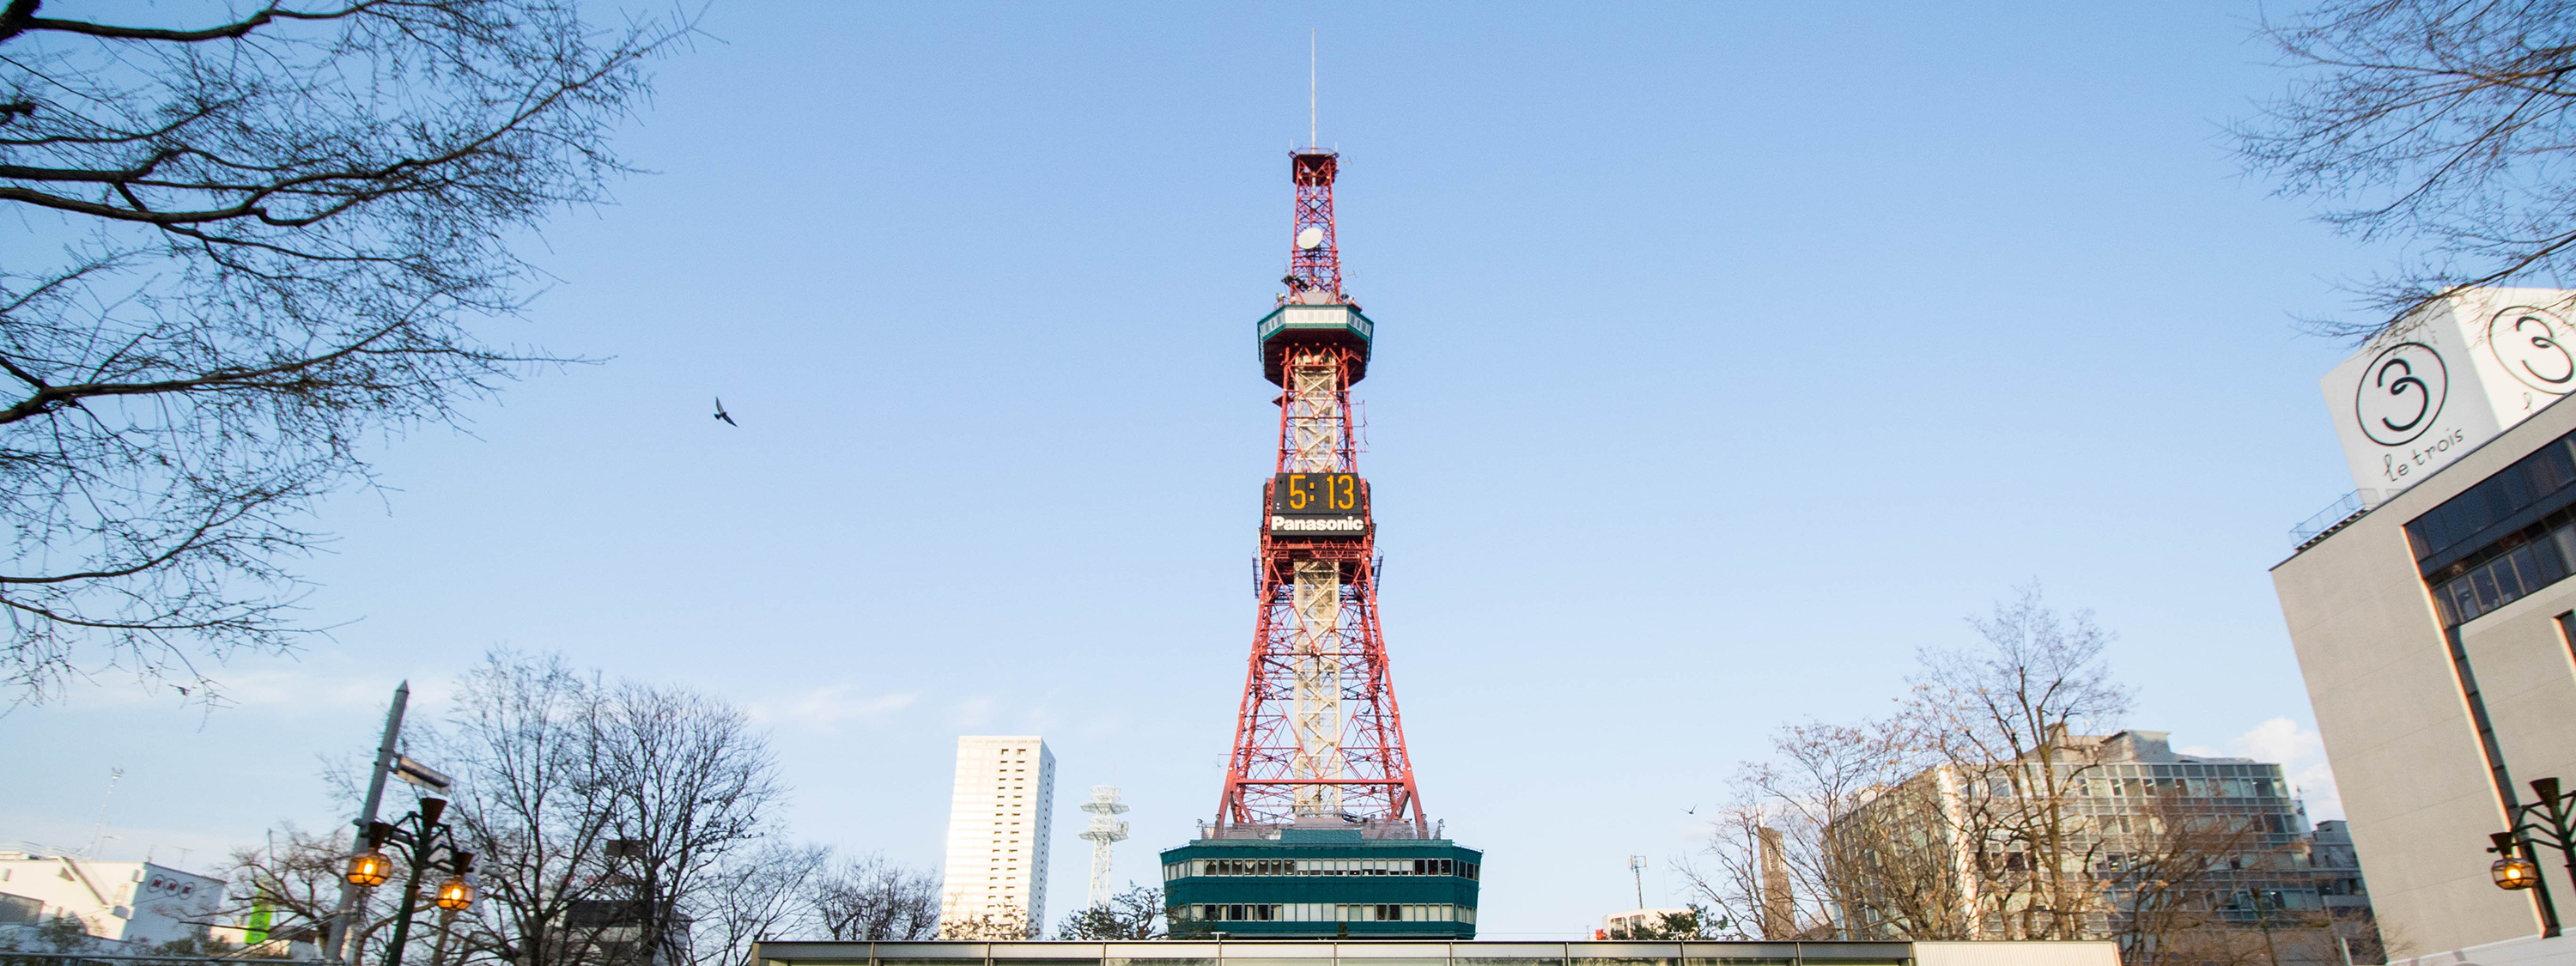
[(1328, 952)]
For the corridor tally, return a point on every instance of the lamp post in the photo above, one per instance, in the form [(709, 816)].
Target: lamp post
[(2549, 820), (423, 839)]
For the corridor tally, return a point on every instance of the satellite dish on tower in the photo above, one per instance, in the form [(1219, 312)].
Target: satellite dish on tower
[(1311, 238)]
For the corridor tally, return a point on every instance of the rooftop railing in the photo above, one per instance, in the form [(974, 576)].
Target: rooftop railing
[(2344, 510)]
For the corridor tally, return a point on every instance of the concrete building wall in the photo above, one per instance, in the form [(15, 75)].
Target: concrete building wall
[(2396, 722), (2527, 677), (133, 902), (999, 816)]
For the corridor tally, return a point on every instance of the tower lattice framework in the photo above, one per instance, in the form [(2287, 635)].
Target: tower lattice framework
[(1319, 737), (1106, 830)]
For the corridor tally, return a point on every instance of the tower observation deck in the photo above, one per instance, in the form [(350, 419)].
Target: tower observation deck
[(1320, 829)]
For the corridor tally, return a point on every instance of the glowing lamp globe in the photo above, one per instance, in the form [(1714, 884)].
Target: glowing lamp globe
[(370, 869), (2515, 872), (455, 893)]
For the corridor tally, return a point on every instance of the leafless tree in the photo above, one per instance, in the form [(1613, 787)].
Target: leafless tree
[(1955, 817), (295, 876), (529, 799), (2165, 883), (1822, 804), (1895, 860), (1696, 922), (989, 926), (554, 767), (2443, 125), (1998, 714), (760, 893), (1136, 913), (685, 776), (870, 898), (247, 242)]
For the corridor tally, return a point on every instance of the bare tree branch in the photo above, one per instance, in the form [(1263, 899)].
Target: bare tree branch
[(19, 17), (255, 243), (2445, 125)]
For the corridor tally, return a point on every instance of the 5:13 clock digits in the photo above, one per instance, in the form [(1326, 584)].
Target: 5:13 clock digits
[(1317, 493)]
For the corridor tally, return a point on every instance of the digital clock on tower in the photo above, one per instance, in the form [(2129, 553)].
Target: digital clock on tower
[(1318, 505)]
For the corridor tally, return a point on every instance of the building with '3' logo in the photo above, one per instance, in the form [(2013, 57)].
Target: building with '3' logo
[(2433, 619), (2449, 378)]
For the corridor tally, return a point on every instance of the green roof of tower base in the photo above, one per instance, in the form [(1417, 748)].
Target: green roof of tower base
[(1320, 883)]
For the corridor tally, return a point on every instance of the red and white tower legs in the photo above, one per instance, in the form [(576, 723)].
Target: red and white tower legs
[(1319, 737)]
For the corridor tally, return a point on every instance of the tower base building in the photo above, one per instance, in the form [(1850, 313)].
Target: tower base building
[(1321, 883)]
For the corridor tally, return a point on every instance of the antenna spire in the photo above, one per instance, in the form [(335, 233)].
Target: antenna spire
[(1314, 256)]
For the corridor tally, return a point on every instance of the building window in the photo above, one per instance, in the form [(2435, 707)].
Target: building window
[(2528, 482), (1285, 867), (1237, 912), (2533, 561)]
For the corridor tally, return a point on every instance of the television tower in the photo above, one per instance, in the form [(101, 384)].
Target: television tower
[(1103, 833), (1318, 740), (1320, 831)]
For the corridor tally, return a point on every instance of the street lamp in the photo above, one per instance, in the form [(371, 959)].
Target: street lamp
[(2549, 820), (2513, 871), (368, 870), (427, 843), (455, 893)]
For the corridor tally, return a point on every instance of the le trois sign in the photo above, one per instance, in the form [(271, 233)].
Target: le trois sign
[(1318, 505), (2450, 377)]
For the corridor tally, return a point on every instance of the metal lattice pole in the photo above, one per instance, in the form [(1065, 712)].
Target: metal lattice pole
[(1105, 831)]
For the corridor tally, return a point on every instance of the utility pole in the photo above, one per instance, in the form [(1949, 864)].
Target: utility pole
[(1637, 867), (336, 941)]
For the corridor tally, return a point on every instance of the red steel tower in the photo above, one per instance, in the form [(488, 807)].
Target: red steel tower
[(1319, 739)]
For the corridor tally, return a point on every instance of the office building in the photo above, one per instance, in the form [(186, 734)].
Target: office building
[(2431, 615), (2208, 855), (137, 903), (998, 823)]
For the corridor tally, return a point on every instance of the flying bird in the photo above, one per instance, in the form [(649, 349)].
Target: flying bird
[(721, 414)]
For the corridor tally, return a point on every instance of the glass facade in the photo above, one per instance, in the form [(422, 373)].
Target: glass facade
[(1440, 866), (2121, 798), (1326, 912), (2523, 563), (2464, 522), (2497, 542)]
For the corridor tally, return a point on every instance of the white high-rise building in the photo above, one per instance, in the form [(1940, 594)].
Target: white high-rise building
[(998, 819)]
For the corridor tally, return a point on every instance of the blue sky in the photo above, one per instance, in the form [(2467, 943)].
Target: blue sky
[(1726, 356)]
